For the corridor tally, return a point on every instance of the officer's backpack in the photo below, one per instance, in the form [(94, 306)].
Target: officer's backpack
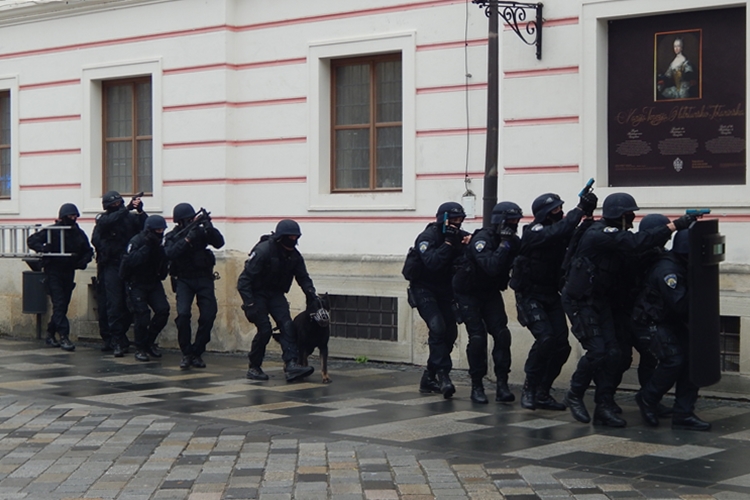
[(413, 266)]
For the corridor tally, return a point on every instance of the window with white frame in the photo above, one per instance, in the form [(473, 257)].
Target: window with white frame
[(362, 123), (128, 136), (366, 123), (5, 144)]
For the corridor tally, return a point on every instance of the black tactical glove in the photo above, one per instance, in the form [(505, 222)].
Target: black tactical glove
[(588, 203), (250, 311), (507, 232), (153, 237), (135, 204), (684, 222), (195, 234), (453, 235)]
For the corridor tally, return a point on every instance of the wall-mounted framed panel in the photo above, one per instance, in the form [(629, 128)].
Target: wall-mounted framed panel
[(676, 99)]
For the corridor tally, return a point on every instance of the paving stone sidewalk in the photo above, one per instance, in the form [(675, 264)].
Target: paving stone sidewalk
[(88, 426)]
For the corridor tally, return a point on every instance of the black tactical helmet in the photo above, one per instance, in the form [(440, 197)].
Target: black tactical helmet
[(681, 242), (155, 222), (505, 210), (182, 211), (617, 204), (68, 209), (287, 227), (452, 209), (111, 198), (652, 220), (544, 204)]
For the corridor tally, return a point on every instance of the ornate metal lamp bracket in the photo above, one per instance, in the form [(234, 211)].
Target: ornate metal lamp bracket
[(514, 13)]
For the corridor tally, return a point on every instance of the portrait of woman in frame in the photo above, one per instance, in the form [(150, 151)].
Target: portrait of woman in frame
[(677, 65)]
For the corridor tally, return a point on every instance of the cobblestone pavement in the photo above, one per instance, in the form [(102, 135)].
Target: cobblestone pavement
[(86, 425)]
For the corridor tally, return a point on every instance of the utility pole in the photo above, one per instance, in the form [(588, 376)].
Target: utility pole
[(493, 118), (513, 13)]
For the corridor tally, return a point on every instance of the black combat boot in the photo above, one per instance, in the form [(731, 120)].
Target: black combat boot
[(154, 351), (689, 422), (503, 394), (66, 344), (544, 401), (477, 393), (577, 407), (446, 386), (649, 412), (186, 363), (141, 355), (51, 340), (293, 371), (429, 384), (604, 414), (117, 350), (528, 395), (256, 373)]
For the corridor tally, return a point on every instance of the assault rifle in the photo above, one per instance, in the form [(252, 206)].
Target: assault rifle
[(202, 218)]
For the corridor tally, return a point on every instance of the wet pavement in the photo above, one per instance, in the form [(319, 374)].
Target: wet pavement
[(87, 425)]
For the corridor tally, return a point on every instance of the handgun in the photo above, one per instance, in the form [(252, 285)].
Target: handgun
[(587, 188), (698, 211)]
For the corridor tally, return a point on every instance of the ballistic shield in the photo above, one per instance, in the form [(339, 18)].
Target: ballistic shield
[(707, 248)]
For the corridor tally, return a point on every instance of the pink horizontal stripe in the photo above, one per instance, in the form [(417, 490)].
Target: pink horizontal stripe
[(249, 142), (51, 152), (452, 88), (42, 119), (450, 131), (344, 15), (114, 41), (447, 175), (258, 180), (452, 45), (541, 72), (219, 104), (543, 169), (30, 187), (30, 86), (552, 120), (235, 67)]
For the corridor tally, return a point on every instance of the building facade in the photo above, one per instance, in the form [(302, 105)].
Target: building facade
[(357, 119)]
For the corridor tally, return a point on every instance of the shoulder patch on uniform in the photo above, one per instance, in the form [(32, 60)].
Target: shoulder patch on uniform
[(479, 245), (423, 245), (251, 256), (97, 216), (671, 281), (537, 227), (610, 229), (130, 247)]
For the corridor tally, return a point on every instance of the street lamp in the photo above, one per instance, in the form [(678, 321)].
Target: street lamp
[(512, 13)]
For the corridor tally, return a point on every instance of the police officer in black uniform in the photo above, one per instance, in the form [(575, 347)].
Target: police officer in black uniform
[(429, 267), (267, 276), (192, 270), (113, 230), (60, 271), (143, 268), (482, 274), (662, 308), (537, 273), (588, 295)]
